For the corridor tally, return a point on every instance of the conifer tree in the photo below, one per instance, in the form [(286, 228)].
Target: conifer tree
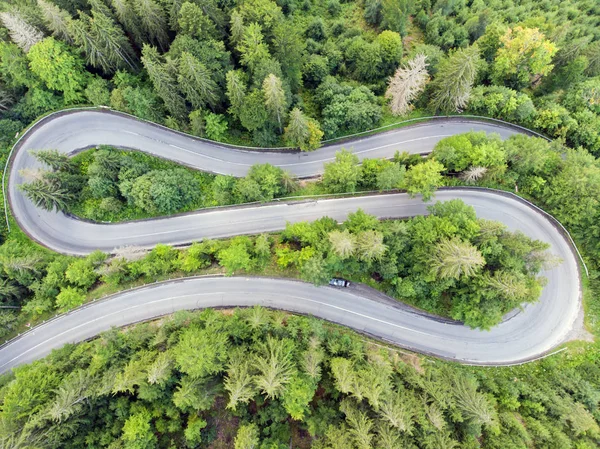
[(196, 82), (127, 16), (236, 27), (275, 366), (79, 30), (56, 19), (454, 80), (455, 258), (343, 243), (302, 131), (247, 437), (54, 159), (46, 195), (253, 48), (164, 78), (274, 97), (236, 91), (406, 84), (153, 21), (21, 33), (112, 42)]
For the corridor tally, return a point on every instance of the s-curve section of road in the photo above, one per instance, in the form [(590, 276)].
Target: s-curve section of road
[(536, 330)]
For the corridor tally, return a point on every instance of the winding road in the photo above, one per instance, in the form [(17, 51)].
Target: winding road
[(535, 331)]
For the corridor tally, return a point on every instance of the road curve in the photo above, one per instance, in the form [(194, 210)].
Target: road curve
[(538, 329), (72, 131)]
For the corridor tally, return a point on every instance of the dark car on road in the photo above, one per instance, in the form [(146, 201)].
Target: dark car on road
[(337, 282)]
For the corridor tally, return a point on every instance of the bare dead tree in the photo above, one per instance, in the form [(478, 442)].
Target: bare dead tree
[(406, 84)]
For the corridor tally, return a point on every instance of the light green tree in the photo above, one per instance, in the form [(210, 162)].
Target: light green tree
[(274, 98), (370, 246), (424, 179), (524, 57), (247, 437), (55, 64), (239, 382), (275, 366), (302, 131), (455, 258), (343, 174), (56, 19), (200, 352), (253, 48), (69, 298)]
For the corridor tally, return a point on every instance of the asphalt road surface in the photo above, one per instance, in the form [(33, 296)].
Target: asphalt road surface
[(538, 329)]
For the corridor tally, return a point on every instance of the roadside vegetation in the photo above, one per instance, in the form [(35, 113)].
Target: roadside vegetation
[(449, 263), (295, 72)]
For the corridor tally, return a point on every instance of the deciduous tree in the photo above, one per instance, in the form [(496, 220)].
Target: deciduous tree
[(524, 57)]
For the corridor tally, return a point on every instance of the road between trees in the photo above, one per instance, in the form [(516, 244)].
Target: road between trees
[(538, 329)]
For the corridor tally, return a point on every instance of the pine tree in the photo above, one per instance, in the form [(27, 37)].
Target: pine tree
[(239, 381), (296, 133), (247, 437), (454, 258), (21, 33), (160, 370), (236, 27), (47, 195), (70, 396), (508, 284), (474, 405), (406, 84), (79, 30), (196, 82), (360, 425), (370, 246), (302, 131), (6, 100), (396, 410), (164, 78), (127, 16), (343, 243), (153, 21), (311, 362), (112, 42), (236, 91), (56, 20), (253, 48), (388, 437), (275, 366), (54, 159), (343, 374), (454, 80), (274, 97)]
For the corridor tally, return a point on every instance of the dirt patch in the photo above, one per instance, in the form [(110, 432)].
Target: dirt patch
[(226, 426), (412, 360), (301, 439), (578, 331)]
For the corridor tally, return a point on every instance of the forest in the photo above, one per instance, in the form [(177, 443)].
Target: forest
[(259, 379), (296, 73)]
